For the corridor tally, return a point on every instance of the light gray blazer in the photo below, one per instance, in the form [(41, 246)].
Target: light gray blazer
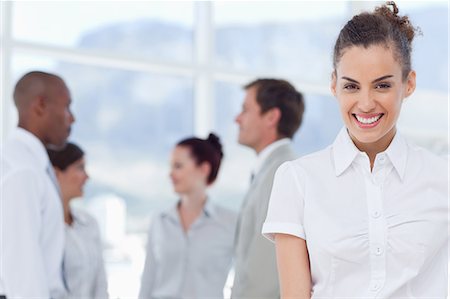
[(255, 261)]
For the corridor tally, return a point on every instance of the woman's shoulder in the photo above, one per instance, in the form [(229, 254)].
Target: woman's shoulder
[(314, 160), (223, 211), (83, 217), (84, 223), (158, 216), (167, 211), (427, 158), (225, 217), (314, 157)]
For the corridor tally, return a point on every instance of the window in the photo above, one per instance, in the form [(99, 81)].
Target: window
[(154, 30), (424, 117), (289, 38)]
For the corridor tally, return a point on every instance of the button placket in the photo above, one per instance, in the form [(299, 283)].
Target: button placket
[(375, 286), (377, 230), (376, 214), (378, 250)]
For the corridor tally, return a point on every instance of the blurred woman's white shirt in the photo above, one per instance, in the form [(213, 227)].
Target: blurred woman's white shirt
[(84, 268)]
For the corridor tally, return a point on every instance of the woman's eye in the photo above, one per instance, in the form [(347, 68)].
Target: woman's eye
[(383, 86), (350, 87)]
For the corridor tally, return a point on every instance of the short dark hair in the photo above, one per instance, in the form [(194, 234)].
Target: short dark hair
[(63, 158), (205, 150), (34, 80), (276, 93), (381, 27)]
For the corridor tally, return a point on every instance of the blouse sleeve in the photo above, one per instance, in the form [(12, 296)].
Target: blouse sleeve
[(286, 206), (101, 286), (148, 275)]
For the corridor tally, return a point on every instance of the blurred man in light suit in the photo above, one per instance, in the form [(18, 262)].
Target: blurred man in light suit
[(31, 214), (271, 114)]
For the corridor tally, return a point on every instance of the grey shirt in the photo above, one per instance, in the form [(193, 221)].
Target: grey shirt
[(255, 261), (193, 264)]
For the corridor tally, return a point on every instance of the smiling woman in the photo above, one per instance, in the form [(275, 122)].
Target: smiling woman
[(370, 89), (379, 227)]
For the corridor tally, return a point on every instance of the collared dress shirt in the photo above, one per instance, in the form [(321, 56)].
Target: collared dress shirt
[(370, 234), (31, 221), (194, 264), (83, 261)]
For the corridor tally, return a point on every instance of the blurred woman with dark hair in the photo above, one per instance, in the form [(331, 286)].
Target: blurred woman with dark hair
[(190, 246), (84, 270)]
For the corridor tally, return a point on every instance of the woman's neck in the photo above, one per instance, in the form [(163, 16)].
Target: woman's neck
[(68, 219), (194, 200), (373, 149), (191, 207)]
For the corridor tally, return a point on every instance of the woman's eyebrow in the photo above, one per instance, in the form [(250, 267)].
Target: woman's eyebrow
[(374, 81)]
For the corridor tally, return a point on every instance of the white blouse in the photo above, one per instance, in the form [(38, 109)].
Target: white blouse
[(189, 265), (84, 269), (380, 234)]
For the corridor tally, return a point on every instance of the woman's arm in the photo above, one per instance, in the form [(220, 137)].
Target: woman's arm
[(148, 274), (293, 267), (101, 285)]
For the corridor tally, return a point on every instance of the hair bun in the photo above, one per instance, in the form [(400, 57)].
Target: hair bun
[(214, 140), (394, 7), (390, 12)]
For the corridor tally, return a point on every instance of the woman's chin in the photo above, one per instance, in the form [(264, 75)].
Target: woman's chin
[(77, 195), (180, 191)]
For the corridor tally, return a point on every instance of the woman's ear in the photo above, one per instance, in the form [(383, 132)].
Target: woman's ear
[(58, 172), (410, 84), (333, 82), (205, 168)]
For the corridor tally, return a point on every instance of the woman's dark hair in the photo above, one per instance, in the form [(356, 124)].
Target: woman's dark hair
[(61, 159), (205, 150), (382, 27)]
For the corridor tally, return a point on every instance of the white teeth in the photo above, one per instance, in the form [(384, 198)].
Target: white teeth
[(370, 120)]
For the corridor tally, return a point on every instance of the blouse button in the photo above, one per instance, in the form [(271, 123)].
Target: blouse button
[(378, 251), (375, 286), (376, 214)]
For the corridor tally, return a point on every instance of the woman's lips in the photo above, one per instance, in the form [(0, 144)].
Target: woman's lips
[(367, 121)]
